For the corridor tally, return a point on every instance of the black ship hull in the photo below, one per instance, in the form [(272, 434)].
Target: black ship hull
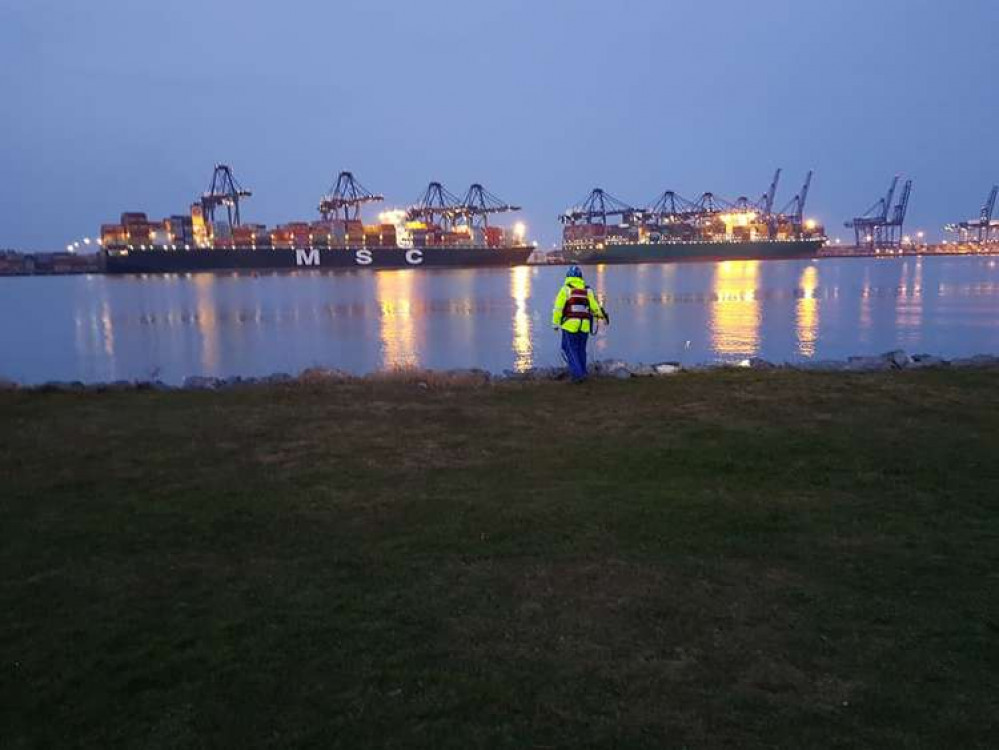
[(662, 252), (318, 259)]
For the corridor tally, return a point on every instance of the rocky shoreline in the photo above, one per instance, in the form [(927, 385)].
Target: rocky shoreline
[(896, 360)]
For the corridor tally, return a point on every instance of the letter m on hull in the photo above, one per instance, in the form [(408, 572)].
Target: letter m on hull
[(307, 257)]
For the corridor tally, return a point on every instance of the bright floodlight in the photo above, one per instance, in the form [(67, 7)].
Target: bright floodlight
[(520, 230)]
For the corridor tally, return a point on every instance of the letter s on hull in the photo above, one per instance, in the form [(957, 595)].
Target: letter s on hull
[(306, 257), (414, 257), (363, 257)]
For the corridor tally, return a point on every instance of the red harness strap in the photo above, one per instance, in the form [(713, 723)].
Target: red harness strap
[(577, 305)]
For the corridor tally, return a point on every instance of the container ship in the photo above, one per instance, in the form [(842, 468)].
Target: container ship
[(441, 229), (603, 229)]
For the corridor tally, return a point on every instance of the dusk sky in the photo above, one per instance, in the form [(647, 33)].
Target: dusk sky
[(113, 105)]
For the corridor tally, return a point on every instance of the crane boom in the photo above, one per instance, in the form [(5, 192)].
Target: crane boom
[(771, 194)]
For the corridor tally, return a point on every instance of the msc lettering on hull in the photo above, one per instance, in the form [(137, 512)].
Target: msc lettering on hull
[(361, 257), (307, 257)]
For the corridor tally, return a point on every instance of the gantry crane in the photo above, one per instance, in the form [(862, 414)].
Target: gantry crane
[(345, 199), (876, 228), (794, 211), (478, 204), (223, 191), (437, 205), (596, 208), (984, 227)]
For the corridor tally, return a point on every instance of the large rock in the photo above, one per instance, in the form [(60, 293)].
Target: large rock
[(820, 365), (924, 361), (151, 385), (898, 359), (61, 386), (979, 360), (201, 383), (868, 364), (666, 368), (469, 375), (643, 371), (607, 366), (323, 375), (758, 363)]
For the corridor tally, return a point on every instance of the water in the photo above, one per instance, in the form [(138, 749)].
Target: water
[(96, 328)]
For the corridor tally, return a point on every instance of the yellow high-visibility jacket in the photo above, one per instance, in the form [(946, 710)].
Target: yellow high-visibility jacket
[(575, 325)]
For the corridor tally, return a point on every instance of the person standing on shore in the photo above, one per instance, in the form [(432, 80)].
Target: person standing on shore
[(574, 313)]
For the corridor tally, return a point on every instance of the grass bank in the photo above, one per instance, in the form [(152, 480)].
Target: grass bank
[(728, 559)]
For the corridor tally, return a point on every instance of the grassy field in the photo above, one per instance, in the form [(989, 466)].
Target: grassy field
[(719, 560)]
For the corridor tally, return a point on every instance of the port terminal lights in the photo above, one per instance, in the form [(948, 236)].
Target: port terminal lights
[(73, 247)]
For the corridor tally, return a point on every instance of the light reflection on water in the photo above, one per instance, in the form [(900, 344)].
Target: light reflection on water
[(102, 328), (807, 311), (735, 309)]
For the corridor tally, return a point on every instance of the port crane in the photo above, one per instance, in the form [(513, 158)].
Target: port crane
[(766, 203), (437, 205), (595, 209), (794, 211), (984, 224), (479, 203), (223, 191), (876, 228), (345, 199), (671, 207)]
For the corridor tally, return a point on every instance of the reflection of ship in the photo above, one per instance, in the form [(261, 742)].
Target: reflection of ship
[(440, 230), (674, 228)]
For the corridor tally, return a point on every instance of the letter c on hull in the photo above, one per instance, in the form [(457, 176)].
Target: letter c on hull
[(414, 257)]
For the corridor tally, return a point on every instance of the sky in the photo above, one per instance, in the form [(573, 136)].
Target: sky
[(114, 105)]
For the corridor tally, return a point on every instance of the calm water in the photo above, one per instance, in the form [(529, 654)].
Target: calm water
[(106, 328)]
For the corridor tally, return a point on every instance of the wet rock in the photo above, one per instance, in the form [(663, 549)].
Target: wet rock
[(868, 364), (151, 385), (923, 361), (61, 386), (758, 363), (322, 375), (979, 360), (607, 366), (643, 371), (200, 383), (621, 373), (473, 375), (821, 365), (666, 368), (898, 359)]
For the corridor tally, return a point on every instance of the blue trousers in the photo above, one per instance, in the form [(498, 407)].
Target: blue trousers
[(574, 349)]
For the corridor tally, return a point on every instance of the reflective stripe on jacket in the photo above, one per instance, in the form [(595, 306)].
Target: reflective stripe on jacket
[(575, 307)]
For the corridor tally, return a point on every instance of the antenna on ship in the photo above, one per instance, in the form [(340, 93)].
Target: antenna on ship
[(224, 191), (346, 195), (437, 205), (479, 203)]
